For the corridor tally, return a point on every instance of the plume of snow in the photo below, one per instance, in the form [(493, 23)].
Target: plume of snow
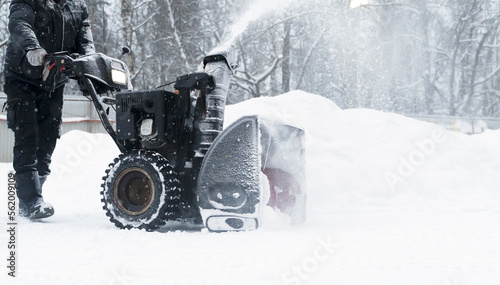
[(256, 10)]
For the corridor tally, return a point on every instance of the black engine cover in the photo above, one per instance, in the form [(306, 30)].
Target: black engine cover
[(133, 107)]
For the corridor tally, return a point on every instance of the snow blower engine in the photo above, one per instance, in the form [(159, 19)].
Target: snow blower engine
[(177, 163)]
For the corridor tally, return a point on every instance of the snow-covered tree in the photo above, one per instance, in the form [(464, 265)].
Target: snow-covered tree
[(405, 56)]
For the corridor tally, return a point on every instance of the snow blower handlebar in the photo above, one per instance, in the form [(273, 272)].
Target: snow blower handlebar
[(88, 71), (101, 112)]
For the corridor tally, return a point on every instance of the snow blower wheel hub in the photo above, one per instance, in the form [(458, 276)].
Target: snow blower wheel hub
[(134, 191)]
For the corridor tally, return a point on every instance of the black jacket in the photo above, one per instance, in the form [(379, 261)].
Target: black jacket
[(43, 23)]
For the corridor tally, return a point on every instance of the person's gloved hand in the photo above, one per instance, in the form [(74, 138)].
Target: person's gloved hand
[(36, 56)]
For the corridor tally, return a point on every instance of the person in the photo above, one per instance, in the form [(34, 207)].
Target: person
[(35, 91)]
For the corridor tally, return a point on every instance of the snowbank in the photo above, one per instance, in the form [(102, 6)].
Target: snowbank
[(366, 159)]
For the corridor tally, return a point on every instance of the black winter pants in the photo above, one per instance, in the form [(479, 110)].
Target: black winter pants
[(35, 116)]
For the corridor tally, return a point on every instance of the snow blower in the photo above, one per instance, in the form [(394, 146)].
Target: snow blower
[(177, 163)]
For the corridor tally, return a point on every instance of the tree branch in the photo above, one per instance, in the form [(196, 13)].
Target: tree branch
[(145, 21), (4, 42), (307, 58)]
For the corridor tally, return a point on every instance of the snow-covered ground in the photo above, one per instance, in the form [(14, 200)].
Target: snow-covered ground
[(391, 200)]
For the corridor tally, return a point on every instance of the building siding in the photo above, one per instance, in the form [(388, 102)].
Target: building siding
[(78, 114)]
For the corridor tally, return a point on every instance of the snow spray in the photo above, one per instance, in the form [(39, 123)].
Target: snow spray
[(257, 9)]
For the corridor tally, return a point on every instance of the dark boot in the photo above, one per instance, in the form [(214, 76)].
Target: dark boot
[(42, 181), (29, 192), (36, 209)]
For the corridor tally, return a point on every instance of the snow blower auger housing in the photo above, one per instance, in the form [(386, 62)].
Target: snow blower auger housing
[(177, 164)]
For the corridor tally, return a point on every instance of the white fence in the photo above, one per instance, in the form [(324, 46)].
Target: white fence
[(78, 114), (466, 125)]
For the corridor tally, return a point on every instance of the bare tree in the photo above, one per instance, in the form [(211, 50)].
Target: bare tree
[(405, 56)]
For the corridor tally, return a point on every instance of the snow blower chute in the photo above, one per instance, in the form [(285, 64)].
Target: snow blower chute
[(177, 163)]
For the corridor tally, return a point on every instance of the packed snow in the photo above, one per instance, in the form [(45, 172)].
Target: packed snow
[(391, 200)]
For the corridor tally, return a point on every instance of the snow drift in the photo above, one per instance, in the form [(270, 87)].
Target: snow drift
[(362, 158)]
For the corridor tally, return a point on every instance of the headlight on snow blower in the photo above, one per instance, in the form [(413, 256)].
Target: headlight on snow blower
[(118, 74), (119, 77)]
